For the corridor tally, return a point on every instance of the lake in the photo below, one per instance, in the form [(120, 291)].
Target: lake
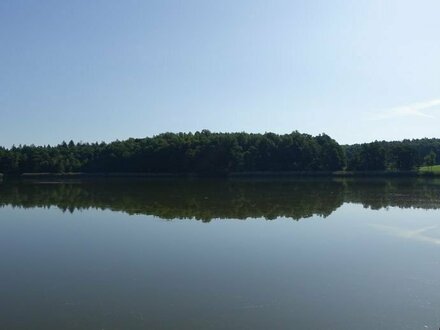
[(220, 254)]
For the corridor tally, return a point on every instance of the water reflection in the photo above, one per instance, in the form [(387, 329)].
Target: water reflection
[(363, 269), (228, 199), (419, 234)]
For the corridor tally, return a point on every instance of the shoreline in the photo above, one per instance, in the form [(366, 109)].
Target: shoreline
[(259, 174)]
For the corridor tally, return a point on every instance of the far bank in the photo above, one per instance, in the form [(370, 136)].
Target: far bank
[(254, 174)]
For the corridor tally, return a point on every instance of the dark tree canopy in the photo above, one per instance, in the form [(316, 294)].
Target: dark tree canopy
[(369, 157), (219, 153), (200, 152), (396, 155)]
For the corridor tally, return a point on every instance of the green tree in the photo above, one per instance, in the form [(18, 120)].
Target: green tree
[(372, 157), (404, 157), (430, 159)]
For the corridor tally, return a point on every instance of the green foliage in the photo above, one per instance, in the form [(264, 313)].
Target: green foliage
[(430, 159), (397, 155), (369, 157), (219, 153), (403, 157), (202, 152)]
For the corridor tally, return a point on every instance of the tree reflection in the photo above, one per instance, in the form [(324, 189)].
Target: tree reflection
[(207, 199)]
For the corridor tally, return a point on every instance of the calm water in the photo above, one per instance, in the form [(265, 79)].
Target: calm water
[(218, 254)]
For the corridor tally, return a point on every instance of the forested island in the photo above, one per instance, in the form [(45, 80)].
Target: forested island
[(208, 153)]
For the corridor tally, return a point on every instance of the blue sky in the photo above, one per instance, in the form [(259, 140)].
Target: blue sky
[(92, 70)]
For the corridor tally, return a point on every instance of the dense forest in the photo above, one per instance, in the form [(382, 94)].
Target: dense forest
[(396, 155), (219, 153), (201, 152)]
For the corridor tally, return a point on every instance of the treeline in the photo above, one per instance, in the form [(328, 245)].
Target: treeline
[(219, 153), (397, 155), (201, 152)]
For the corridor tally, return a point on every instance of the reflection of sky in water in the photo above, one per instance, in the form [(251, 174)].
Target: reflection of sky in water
[(358, 268), (420, 234)]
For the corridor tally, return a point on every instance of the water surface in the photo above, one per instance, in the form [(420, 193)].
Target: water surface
[(220, 254)]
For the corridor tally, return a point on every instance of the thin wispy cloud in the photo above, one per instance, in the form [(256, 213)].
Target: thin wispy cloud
[(410, 110)]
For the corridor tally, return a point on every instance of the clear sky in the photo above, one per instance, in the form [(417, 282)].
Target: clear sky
[(92, 70)]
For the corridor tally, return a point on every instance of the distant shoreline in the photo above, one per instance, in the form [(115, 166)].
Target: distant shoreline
[(259, 174), (239, 154)]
